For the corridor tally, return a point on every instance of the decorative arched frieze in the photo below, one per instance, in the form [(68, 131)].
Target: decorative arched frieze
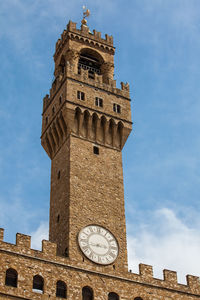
[(60, 131), (119, 133), (98, 128), (76, 124), (94, 127), (85, 129), (63, 124), (49, 147), (52, 140), (55, 133)]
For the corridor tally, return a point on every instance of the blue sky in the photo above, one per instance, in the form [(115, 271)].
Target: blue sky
[(157, 52)]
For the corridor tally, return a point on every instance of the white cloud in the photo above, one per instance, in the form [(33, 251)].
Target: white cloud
[(168, 244), (41, 233)]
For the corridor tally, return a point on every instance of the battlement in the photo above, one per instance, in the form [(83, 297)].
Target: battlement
[(169, 280), (49, 254), (85, 36), (23, 246), (96, 82)]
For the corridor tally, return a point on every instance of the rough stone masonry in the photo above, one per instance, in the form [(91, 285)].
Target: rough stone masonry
[(86, 121)]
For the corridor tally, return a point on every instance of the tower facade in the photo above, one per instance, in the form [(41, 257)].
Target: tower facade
[(86, 121)]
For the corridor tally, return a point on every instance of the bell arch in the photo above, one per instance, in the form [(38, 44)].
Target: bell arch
[(90, 60)]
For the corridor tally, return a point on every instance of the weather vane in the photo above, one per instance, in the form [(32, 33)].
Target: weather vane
[(86, 14)]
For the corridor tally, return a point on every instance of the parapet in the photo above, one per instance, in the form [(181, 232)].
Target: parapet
[(145, 276), (71, 26), (23, 246), (85, 35), (169, 281), (97, 82), (146, 271), (23, 241)]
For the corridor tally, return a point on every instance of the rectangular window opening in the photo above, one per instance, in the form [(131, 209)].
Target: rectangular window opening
[(96, 150), (80, 95), (99, 102), (117, 108)]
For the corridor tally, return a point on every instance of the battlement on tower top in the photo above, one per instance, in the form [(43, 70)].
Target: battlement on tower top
[(86, 36)]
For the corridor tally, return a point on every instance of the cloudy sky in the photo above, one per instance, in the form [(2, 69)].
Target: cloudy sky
[(157, 52)]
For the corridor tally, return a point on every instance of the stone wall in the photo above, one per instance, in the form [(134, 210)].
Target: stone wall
[(28, 262)]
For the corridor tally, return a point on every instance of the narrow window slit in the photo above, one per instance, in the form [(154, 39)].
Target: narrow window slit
[(96, 150)]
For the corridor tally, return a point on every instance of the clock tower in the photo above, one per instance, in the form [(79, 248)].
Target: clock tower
[(85, 123)]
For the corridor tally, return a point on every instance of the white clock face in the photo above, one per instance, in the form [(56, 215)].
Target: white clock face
[(98, 244)]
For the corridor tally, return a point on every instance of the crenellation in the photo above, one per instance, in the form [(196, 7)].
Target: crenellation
[(23, 241), (58, 44), (84, 35), (84, 30), (146, 271), (63, 35), (109, 39), (97, 82), (125, 86), (112, 84), (49, 248), (71, 26), (170, 276), (97, 34), (1, 234), (51, 263), (193, 282)]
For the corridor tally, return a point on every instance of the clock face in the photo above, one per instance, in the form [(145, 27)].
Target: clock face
[(98, 244)]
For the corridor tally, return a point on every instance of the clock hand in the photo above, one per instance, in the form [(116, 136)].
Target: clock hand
[(98, 245)]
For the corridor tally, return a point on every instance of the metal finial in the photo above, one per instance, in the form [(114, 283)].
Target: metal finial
[(86, 14)]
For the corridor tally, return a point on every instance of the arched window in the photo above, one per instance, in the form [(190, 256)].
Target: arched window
[(90, 60), (38, 284), (113, 296), (87, 293), (138, 298), (61, 290), (11, 278)]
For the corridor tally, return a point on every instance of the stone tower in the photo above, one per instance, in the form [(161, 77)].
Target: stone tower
[(86, 121)]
